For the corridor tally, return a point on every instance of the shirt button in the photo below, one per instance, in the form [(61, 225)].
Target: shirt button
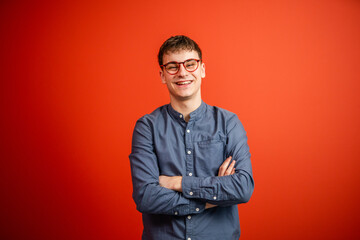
[(189, 152), (176, 213), (190, 174), (180, 116), (188, 131), (189, 217), (191, 193), (197, 209), (189, 239), (214, 197)]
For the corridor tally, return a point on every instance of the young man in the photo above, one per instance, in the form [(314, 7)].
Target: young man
[(190, 162)]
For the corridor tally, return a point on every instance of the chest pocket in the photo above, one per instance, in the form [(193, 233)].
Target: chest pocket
[(209, 155)]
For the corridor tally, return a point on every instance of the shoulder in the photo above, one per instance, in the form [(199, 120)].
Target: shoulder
[(151, 118), (228, 118), (222, 113)]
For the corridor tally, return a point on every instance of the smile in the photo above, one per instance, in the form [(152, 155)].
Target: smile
[(183, 82)]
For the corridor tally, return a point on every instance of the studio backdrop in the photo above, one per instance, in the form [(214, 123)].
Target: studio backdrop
[(76, 75)]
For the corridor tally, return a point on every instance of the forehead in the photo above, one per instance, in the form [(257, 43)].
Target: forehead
[(179, 56)]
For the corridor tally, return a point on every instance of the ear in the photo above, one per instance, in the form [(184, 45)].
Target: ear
[(202, 70), (162, 76)]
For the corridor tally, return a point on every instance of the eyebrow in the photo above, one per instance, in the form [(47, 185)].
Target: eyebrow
[(181, 62)]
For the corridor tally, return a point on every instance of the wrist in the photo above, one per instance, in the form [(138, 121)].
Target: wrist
[(178, 184)]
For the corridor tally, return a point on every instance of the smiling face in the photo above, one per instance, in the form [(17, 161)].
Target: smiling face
[(183, 85)]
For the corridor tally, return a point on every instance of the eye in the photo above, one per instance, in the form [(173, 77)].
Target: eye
[(191, 64), (171, 67)]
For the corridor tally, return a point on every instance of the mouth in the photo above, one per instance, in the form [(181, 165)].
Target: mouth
[(183, 83)]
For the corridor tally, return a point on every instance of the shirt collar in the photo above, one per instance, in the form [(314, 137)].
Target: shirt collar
[(194, 115)]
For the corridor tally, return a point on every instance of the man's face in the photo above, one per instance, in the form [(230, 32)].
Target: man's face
[(183, 85)]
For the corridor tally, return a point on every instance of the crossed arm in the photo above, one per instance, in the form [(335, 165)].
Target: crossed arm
[(174, 182), (182, 195)]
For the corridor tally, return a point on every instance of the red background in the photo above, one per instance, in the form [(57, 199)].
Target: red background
[(75, 77)]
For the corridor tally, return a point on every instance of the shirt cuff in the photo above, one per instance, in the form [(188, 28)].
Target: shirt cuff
[(194, 207), (192, 188)]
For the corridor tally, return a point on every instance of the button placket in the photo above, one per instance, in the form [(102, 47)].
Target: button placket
[(189, 149), (189, 170)]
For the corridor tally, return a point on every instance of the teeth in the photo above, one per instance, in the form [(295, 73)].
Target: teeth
[(183, 83)]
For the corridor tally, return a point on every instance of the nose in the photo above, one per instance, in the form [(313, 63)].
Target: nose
[(182, 70)]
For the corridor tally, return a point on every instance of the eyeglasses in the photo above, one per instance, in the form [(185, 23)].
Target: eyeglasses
[(190, 65)]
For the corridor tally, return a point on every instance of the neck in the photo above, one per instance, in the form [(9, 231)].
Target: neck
[(185, 107)]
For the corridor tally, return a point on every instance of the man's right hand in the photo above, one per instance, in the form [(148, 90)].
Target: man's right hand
[(225, 169)]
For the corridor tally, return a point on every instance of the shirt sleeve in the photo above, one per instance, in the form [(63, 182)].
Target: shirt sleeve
[(231, 189), (148, 195)]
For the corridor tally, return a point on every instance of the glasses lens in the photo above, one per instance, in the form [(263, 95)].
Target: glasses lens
[(172, 68), (191, 65)]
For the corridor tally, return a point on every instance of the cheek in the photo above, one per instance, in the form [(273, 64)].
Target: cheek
[(165, 80), (198, 76)]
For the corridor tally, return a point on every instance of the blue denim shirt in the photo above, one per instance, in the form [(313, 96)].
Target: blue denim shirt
[(165, 144)]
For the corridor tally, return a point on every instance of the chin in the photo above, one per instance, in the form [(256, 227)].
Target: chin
[(185, 97)]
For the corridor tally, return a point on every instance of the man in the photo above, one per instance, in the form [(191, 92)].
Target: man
[(190, 162)]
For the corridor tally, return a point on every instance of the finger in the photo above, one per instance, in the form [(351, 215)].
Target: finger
[(224, 166), (233, 171), (230, 168)]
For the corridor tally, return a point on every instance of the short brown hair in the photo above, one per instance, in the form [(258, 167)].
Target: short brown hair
[(177, 43)]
